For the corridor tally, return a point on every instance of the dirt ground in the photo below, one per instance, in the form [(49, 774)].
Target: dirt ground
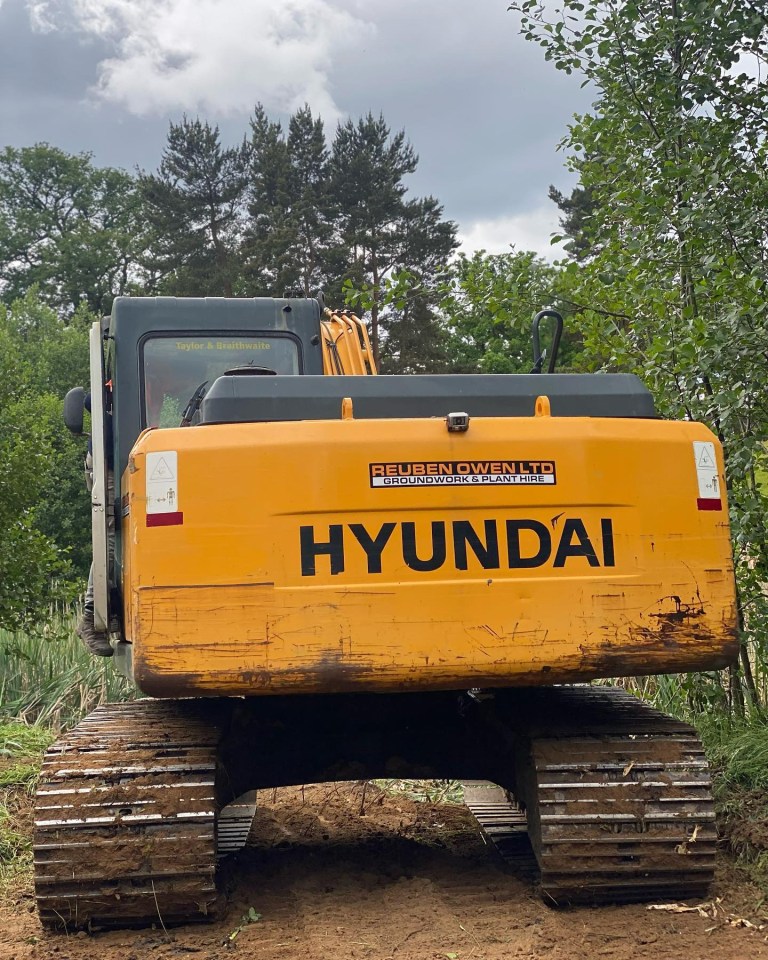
[(332, 874)]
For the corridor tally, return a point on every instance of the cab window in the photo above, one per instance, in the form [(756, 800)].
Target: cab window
[(173, 367)]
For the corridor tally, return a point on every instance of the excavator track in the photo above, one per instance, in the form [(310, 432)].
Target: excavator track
[(125, 818), (503, 824), (129, 817), (617, 796)]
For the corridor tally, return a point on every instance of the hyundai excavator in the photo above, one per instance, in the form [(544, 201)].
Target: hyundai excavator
[(321, 574)]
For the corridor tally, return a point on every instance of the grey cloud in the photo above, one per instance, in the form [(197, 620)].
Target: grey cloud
[(481, 107), (45, 78), (49, 65)]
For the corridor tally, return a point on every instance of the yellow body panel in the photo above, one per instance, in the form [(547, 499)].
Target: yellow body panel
[(614, 569)]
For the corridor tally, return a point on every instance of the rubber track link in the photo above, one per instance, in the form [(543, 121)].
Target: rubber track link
[(125, 818), (618, 800)]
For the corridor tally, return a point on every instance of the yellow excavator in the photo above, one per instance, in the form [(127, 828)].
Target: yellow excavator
[(320, 574)]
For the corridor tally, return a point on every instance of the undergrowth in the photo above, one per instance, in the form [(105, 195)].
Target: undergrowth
[(738, 754), (424, 791)]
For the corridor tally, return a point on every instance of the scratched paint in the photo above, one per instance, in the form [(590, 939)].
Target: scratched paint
[(433, 588)]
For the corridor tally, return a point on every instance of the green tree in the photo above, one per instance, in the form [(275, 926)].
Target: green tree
[(415, 335), (67, 227), (488, 301), (417, 340), (44, 512), (312, 250), (380, 228), (194, 206), (266, 234), (320, 220), (54, 357), (485, 305), (28, 559), (291, 240), (577, 210), (675, 158)]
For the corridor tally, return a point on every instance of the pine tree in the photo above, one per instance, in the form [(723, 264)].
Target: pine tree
[(367, 167), (380, 228), (312, 212), (577, 210), (290, 238), (194, 207), (416, 337), (266, 233)]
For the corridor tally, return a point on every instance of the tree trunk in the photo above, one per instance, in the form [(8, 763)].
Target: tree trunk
[(375, 293)]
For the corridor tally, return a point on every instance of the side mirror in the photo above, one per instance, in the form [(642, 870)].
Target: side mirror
[(74, 406)]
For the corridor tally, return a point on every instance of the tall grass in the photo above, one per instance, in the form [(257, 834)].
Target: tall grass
[(48, 677), (738, 751), (687, 696)]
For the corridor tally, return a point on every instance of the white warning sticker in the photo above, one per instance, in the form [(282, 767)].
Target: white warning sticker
[(706, 470), (162, 482)]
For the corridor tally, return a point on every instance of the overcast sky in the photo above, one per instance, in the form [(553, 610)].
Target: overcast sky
[(479, 104)]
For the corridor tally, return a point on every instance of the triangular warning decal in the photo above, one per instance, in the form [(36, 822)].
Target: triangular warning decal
[(706, 460), (162, 471)]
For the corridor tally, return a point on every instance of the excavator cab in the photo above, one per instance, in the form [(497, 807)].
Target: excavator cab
[(149, 358)]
